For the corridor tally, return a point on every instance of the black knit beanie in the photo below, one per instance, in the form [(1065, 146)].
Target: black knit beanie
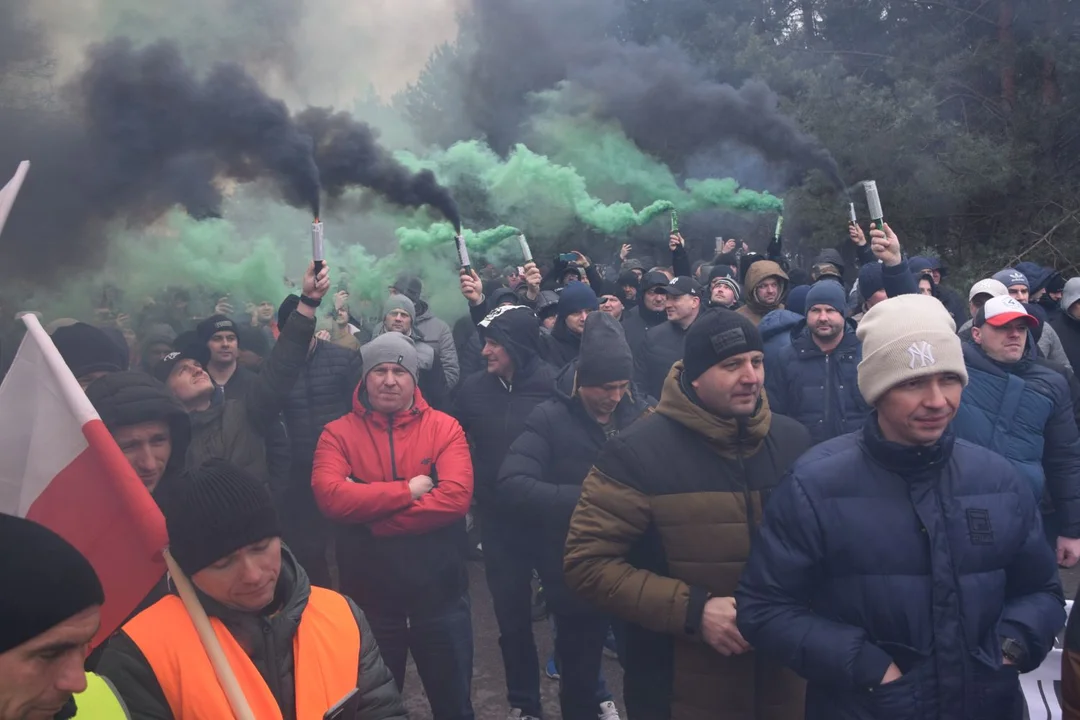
[(218, 510), (715, 336), (604, 357), (87, 349), (45, 581)]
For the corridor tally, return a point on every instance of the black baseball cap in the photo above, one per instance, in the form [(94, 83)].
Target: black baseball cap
[(652, 279), (683, 285), (164, 368)]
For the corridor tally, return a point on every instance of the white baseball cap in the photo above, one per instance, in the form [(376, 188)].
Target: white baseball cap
[(1002, 310), (989, 286)]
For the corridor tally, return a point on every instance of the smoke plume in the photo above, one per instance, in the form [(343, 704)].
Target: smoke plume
[(348, 154), (666, 104)]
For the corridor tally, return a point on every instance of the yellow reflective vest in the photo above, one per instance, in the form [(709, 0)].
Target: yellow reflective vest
[(99, 701)]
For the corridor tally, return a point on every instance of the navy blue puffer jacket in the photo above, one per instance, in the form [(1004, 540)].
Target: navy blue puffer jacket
[(1024, 412), (820, 391), (322, 394), (874, 553)]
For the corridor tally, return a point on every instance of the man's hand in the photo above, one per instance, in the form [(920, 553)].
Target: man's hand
[(886, 246), (730, 245), (341, 299), (718, 627), (582, 261), (323, 335), (316, 287), (856, 234), (123, 321), (472, 289), (624, 252), (532, 277), (675, 240), (223, 306), (1068, 551), (892, 674), (420, 485)]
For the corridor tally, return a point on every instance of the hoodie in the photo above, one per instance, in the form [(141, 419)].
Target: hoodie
[(755, 275)]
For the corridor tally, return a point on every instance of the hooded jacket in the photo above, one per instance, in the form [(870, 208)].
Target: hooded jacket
[(491, 410), (1024, 412), (396, 552), (436, 333), (638, 321), (540, 480), (156, 334), (874, 553), (775, 329), (1068, 331), (268, 636), (667, 517), (755, 275), (129, 398), (819, 390)]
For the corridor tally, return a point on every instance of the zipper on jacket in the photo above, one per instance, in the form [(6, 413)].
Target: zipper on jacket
[(828, 395), (750, 519), (393, 459), (273, 667)]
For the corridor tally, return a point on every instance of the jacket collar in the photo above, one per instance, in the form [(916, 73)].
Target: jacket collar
[(728, 437), (806, 347), (906, 460), (651, 317), (383, 421)]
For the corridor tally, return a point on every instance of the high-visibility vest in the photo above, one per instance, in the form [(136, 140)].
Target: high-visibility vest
[(326, 656), (99, 701)]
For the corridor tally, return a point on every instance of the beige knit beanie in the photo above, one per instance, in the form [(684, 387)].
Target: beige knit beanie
[(904, 338)]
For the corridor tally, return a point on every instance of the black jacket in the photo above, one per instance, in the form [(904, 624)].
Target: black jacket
[(820, 391), (560, 346), (269, 638), (637, 322), (661, 348), (493, 412), (540, 480), (873, 553)]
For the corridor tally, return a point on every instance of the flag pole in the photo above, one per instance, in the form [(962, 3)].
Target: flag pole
[(226, 677)]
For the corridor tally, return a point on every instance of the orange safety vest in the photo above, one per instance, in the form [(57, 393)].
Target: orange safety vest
[(326, 656)]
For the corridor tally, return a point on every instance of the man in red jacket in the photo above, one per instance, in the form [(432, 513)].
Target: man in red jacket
[(398, 475)]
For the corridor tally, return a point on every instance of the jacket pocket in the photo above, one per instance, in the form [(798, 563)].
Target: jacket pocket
[(904, 698), (994, 693)]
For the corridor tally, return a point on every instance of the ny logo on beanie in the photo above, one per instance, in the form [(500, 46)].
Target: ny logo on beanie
[(922, 353)]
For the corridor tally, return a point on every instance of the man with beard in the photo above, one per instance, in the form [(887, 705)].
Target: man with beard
[(576, 301), (814, 379), (901, 570), (492, 407), (649, 312), (663, 345), (1022, 409), (766, 285), (665, 523)]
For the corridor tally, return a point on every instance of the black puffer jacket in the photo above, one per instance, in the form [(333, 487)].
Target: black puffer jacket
[(560, 346), (491, 411), (269, 640), (129, 398), (662, 348), (637, 322), (322, 394), (540, 480)]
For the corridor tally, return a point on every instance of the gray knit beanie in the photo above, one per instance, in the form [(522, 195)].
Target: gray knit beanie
[(391, 347), (399, 302)]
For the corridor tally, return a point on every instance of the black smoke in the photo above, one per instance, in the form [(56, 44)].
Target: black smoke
[(577, 56), (161, 135), (348, 154)]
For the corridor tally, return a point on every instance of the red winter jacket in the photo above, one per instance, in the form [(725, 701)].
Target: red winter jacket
[(364, 461)]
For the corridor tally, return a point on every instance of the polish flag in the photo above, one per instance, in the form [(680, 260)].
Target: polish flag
[(59, 466), (9, 191)]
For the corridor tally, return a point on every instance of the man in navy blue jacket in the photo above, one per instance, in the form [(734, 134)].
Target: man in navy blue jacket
[(902, 571)]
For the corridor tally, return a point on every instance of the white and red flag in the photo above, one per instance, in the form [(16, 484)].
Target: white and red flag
[(59, 466)]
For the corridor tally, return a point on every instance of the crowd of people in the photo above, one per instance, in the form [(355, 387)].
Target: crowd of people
[(775, 493)]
